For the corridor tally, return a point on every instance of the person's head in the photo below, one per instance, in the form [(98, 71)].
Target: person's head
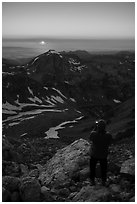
[(101, 125)]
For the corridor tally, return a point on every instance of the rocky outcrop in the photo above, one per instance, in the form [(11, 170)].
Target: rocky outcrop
[(30, 189), (7, 150), (128, 167), (24, 169), (6, 195), (115, 188), (132, 199), (10, 168), (92, 194), (10, 189), (65, 177), (10, 183), (66, 163)]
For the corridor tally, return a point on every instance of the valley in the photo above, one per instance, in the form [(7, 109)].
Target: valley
[(57, 87)]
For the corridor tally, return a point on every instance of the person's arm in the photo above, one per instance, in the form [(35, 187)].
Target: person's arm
[(110, 139)]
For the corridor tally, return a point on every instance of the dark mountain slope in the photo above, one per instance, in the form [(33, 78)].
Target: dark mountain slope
[(123, 119)]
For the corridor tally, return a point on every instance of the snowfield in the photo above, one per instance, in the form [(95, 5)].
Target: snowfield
[(53, 131)]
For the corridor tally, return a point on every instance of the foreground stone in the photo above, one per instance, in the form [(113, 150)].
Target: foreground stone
[(132, 199), (10, 168), (10, 183), (115, 188), (84, 173), (92, 194), (65, 164), (6, 195), (15, 197), (8, 151), (128, 167), (30, 189)]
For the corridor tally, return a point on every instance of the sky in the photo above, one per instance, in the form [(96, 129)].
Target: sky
[(85, 20)]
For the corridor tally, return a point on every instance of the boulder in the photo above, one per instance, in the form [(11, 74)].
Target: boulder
[(10, 183), (6, 195), (92, 194), (30, 189), (66, 163), (10, 168), (71, 196), (125, 196), (24, 169), (84, 173), (15, 197), (34, 173), (47, 195), (44, 190), (7, 149), (132, 199), (115, 188), (73, 188), (64, 192), (128, 167), (113, 167)]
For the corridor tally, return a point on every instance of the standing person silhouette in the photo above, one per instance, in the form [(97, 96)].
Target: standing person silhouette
[(101, 141)]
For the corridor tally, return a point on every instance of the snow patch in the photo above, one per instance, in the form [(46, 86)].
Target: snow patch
[(59, 93), (116, 101), (53, 131), (72, 99), (49, 101), (54, 52), (12, 124), (8, 73), (8, 112), (45, 87), (72, 61), (23, 134), (30, 91), (78, 111), (28, 113), (9, 106), (35, 60), (66, 82), (57, 98)]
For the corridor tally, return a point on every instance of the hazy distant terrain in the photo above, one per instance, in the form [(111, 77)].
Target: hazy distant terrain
[(17, 49)]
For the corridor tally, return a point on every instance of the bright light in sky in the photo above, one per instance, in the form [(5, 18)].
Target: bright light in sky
[(42, 42)]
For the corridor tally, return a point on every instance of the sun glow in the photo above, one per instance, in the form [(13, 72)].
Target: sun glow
[(42, 42)]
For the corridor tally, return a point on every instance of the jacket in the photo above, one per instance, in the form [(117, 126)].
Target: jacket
[(100, 144)]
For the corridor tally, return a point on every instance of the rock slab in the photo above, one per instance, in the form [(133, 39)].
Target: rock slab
[(92, 194), (66, 163), (128, 167)]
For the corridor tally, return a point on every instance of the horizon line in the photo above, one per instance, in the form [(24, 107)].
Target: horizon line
[(66, 38)]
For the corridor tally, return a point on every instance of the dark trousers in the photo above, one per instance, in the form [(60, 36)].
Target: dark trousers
[(103, 166)]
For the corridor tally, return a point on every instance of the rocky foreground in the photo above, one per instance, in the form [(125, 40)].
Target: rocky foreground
[(65, 176)]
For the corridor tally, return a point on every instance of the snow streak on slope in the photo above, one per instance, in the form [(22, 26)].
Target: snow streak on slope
[(27, 114), (51, 98), (53, 131)]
